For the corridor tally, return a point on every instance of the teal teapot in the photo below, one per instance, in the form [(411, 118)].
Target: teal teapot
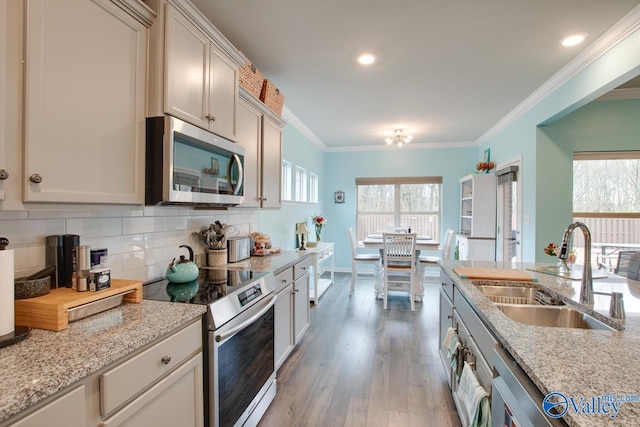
[(184, 270)]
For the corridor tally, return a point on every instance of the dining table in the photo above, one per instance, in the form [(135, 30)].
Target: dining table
[(423, 243)]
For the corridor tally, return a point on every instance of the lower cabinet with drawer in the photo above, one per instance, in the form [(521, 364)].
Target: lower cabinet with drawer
[(161, 386), (291, 309)]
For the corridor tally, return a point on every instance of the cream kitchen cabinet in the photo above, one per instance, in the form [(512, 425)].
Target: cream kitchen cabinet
[(65, 411), (160, 385), (260, 133), (84, 101), (11, 68), (292, 312), (194, 69)]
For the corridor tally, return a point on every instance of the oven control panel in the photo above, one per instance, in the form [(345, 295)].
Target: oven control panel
[(245, 297)]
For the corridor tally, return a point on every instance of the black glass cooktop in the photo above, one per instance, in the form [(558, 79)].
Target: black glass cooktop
[(210, 286)]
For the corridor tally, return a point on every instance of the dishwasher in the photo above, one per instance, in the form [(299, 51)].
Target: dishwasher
[(516, 401)]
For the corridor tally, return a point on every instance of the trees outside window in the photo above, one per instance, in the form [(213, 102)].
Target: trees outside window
[(410, 203)]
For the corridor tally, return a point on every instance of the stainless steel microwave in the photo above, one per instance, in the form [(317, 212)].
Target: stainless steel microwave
[(191, 166)]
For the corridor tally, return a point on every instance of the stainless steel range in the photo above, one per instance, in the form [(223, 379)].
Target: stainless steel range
[(239, 377)]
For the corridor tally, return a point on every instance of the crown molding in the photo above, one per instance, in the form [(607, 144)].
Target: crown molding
[(138, 10), (411, 146), (620, 94), (294, 121), (612, 37)]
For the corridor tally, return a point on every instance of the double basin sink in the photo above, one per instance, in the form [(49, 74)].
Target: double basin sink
[(534, 306)]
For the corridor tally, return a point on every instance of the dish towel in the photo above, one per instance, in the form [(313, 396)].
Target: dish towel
[(456, 356), (474, 398), (447, 338)]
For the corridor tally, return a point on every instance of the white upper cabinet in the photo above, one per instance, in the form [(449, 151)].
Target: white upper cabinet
[(260, 133), (200, 76), (85, 87)]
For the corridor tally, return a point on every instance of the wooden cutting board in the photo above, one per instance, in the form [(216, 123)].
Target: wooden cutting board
[(50, 311), (493, 274)]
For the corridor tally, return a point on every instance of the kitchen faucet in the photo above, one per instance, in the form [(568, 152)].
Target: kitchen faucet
[(586, 287)]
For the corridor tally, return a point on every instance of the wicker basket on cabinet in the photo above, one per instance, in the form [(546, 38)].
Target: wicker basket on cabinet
[(251, 79), (272, 97)]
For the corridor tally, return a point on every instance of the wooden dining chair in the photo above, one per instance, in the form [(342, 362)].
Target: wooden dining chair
[(399, 264), (359, 259)]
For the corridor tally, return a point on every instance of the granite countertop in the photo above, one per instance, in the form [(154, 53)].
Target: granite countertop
[(575, 362), (276, 263), (47, 362)]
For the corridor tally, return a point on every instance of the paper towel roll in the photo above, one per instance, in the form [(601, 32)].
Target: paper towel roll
[(7, 319)]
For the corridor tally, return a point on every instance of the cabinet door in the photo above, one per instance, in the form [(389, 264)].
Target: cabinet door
[(446, 321), (301, 307), (223, 94), (271, 163), (84, 103), (283, 326), (66, 411), (177, 400), (11, 104), (249, 134), (187, 70)]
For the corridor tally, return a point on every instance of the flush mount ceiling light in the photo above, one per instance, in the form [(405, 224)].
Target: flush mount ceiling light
[(399, 138), (573, 39), (366, 59)]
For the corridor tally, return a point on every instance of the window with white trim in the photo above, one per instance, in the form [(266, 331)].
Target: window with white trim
[(285, 189), (313, 188), (390, 203), (301, 184)]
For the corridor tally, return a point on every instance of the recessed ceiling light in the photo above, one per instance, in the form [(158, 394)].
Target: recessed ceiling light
[(366, 59), (573, 39)]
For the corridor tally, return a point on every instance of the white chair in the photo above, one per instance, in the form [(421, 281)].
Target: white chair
[(358, 259), (399, 263), (447, 244)]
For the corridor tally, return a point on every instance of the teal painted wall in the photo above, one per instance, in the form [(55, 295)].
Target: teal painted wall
[(546, 191), (280, 223), (598, 126), (342, 169)]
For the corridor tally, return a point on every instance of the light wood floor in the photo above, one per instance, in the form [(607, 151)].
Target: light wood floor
[(359, 365)]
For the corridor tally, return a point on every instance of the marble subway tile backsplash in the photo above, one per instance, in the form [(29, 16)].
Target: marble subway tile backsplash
[(141, 242)]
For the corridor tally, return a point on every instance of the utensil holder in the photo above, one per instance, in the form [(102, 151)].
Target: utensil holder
[(217, 257)]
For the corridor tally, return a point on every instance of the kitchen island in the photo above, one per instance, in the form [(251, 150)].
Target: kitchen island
[(576, 362), (46, 362)]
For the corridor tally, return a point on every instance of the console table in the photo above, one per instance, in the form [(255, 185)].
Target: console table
[(320, 254)]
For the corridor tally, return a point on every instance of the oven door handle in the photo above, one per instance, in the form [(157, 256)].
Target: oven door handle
[(249, 321)]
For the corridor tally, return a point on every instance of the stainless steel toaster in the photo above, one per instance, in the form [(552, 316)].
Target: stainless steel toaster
[(238, 248)]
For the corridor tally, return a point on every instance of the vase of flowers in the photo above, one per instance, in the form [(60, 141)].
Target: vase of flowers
[(319, 222), (553, 250)]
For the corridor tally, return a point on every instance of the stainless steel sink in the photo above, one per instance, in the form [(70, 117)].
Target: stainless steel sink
[(518, 295), (554, 316)]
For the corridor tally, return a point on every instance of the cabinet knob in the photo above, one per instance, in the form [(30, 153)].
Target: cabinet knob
[(3, 174), (166, 360), (210, 118), (35, 178)]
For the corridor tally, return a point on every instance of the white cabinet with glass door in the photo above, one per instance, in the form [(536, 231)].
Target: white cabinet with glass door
[(476, 240)]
